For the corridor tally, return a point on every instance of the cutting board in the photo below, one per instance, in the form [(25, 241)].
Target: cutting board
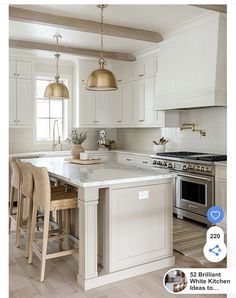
[(84, 161)]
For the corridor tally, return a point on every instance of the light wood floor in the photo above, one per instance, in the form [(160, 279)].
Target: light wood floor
[(61, 279)]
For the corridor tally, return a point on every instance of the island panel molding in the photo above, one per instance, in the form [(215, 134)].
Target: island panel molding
[(31, 45), (36, 17)]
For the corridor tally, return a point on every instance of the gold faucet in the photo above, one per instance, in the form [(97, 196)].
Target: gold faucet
[(58, 142), (192, 127)]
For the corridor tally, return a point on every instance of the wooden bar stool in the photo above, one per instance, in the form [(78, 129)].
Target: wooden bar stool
[(47, 200), (15, 186), (26, 194)]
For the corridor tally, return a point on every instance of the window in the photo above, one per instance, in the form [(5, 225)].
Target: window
[(48, 111)]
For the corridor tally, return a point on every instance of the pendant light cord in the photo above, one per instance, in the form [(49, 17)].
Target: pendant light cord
[(102, 31), (57, 56)]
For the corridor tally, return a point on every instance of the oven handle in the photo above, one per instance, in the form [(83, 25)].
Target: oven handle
[(196, 177)]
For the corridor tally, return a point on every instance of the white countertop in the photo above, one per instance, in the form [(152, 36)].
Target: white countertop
[(104, 174)]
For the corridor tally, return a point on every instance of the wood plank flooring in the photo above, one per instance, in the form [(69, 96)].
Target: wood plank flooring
[(61, 281)]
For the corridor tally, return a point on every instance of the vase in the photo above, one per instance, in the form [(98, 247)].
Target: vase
[(75, 151)]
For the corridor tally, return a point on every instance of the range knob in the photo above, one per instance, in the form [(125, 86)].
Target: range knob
[(170, 165), (190, 167), (198, 168), (159, 162), (202, 169), (208, 169), (164, 164), (184, 168), (154, 162)]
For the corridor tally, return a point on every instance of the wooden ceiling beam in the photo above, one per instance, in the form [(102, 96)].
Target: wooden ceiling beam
[(58, 21), (30, 45), (218, 8)]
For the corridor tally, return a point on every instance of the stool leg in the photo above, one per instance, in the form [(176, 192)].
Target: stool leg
[(20, 204), (12, 193), (45, 243), (29, 222), (32, 231), (59, 218)]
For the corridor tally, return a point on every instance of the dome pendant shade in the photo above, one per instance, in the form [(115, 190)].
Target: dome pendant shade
[(101, 79), (56, 91)]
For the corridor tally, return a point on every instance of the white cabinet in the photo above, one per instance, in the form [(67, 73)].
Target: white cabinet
[(192, 67), (141, 227), (221, 192), (20, 69), (94, 108), (134, 160), (123, 73), (143, 113), (122, 105), (20, 93), (143, 69)]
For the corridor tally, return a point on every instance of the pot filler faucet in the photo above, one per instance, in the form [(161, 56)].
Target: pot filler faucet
[(58, 141), (192, 127)]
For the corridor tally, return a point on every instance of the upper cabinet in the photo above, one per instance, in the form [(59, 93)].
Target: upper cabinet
[(192, 67), (20, 93), (129, 106), (143, 69)]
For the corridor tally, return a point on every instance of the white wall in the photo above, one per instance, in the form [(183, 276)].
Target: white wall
[(212, 120)]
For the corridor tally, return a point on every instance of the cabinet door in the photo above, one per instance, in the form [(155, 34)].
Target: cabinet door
[(102, 108), (123, 73), (24, 70), (24, 99), (12, 101), (126, 103), (143, 69), (148, 222), (12, 68), (117, 107), (86, 107), (143, 102)]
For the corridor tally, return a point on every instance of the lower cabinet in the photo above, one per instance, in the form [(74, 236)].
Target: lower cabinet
[(138, 230), (134, 160), (221, 192)]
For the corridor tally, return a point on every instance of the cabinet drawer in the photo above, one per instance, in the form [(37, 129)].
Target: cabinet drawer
[(127, 159), (146, 162)]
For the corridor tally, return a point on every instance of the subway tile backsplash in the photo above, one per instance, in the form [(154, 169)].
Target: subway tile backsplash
[(211, 120)]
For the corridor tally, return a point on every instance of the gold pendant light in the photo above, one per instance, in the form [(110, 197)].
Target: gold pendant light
[(101, 79), (56, 90)]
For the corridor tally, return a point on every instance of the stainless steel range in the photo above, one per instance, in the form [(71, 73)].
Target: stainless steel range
[(195, 182)]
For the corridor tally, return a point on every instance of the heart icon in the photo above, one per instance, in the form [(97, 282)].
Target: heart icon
[(215, 214)]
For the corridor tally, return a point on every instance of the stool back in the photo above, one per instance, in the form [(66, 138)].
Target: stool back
[(42, 189), (15, 172), (27, 185)]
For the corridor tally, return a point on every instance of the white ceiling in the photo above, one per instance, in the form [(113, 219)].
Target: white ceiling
[(161, 18)]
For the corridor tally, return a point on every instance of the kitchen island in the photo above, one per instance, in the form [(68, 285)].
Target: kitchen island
[(124, 218)]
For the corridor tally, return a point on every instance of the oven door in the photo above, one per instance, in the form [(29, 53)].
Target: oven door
[(194, 193)]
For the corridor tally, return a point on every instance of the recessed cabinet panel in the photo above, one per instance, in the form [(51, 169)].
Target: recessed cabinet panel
[(12, 68), (139, 226), (24, 99), (24, 70), (102, 108), (126, 102), (87, 107), (12, 101)]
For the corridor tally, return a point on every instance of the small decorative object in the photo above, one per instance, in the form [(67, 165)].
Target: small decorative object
[(83, 155), (160, 146), (76, 139), (112, 144)]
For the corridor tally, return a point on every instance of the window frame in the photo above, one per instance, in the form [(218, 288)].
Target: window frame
[(47, 75)]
